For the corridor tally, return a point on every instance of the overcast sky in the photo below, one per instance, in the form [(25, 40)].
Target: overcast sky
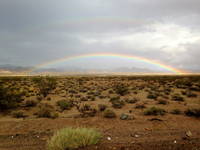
[(36, 31)]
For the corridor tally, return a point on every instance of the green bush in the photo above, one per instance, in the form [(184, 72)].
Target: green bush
[(73, 138), (154, 111), (65, 105), (108, 113)]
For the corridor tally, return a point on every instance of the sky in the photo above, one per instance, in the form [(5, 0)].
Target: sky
[(33, 32)]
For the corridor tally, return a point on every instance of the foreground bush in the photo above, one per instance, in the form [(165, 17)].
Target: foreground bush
[(73, 138), (154, 111)]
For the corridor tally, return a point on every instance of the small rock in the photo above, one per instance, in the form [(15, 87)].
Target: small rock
[(126, 117)]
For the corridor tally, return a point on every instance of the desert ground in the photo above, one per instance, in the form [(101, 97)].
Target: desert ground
[(132, 112)]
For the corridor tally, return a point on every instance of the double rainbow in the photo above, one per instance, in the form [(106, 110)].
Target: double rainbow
[(130, 57)]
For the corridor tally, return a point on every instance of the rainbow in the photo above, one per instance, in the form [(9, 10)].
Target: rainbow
[(131, 57)]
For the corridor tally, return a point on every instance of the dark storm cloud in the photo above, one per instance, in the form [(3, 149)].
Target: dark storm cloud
[(35, 31)]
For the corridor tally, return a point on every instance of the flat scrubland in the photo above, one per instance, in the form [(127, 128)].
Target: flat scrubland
[(121, 112)]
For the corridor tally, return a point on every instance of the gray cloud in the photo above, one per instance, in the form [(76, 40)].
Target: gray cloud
[(34, 31)]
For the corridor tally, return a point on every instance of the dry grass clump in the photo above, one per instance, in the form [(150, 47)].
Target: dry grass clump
[(73, 138)]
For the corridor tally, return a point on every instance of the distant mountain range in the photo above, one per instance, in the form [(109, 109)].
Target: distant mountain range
[(12, 69)]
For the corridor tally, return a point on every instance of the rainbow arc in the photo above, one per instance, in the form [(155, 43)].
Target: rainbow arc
[(131, 57)]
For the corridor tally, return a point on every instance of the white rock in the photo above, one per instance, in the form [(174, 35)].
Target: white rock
[(136, 136), (175, 142), (109, 138)]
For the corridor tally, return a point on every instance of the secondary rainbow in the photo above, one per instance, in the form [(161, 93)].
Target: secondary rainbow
[(131, 57)]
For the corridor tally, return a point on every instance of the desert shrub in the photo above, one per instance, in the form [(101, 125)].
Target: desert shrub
[(162, 101), (183, 92), (110, 91), (64, 104), (116, 98), (46, 111), (10, 97), (45, 84), (195, 112), (108, 113), (121, 89), (48, 98), (117, 104), (84, 99), (102, 107), (176, 111), (152, 95), (39, 98), (140, 106), (131, 100), (30, 103), (87, 111), (190, 94), (154, 111), (195, 88), (177, 97), (18, 114), (73, 138)]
